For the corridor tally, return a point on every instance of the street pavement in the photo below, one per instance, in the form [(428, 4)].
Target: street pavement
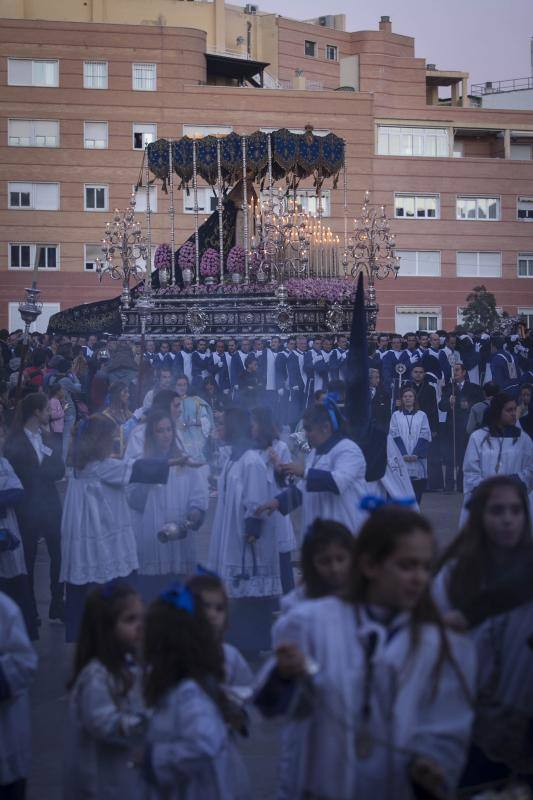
[(49, 699)]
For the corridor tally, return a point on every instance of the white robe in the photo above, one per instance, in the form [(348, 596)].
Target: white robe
[(242, 487), (410, 428), (104, 727), (347, 465), (487, 455), (184, 491), (395, 483), (409, 715), (282, 524), (97, 538), (18, 663), (192, 753), (12, 562)]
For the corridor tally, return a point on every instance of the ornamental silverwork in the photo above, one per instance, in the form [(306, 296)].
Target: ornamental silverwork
[(196, 319)]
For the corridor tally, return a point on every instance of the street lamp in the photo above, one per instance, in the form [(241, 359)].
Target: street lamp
[(29, 310), (371, 249)]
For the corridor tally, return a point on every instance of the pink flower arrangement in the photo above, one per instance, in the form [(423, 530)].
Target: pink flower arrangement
[(163, 257), (329, 290), (210, 263), (187, 256), (236, 259)]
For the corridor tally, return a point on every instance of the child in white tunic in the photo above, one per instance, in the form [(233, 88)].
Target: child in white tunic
[(210, 593), (395, 484), (275, 454), (484, 585), (387, 704), (409, 427), (500, 448), (18, 664), (326, 560), (107, 717), (13, 574), (182, 500), (190, 753), (97, 538), (332, 481)]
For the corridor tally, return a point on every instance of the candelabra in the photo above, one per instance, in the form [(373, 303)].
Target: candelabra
[(371, 249), (281, 241), (124, 246)]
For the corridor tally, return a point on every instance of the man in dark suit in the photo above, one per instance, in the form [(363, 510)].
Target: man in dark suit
[(457, 400), (380, 403)]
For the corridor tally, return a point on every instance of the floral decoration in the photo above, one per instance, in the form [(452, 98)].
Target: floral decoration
[(236, 259), (163, 257), (187, 256), (210, 263)]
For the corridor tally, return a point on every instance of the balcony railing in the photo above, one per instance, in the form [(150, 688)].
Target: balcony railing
[(494, 87)]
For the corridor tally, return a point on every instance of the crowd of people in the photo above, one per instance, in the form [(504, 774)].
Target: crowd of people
[(394, 674)]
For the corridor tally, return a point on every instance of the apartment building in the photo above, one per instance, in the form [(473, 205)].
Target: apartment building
[(85, 85)]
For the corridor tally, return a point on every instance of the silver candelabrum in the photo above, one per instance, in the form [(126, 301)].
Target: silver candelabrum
[(371, 249), (124, 247), (281, 241)]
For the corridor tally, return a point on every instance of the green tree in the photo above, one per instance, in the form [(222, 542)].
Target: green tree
[(480, 310)]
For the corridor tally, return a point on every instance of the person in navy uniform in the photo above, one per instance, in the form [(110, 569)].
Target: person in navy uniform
[(457, 399), (296, 380), (272, 369), (238, 365), (316, 370), (221, 368), (201, 365), (435, 360), (382, 348), (412, 349), (503, 365), (380, 401), (337, 362), (391, 359)]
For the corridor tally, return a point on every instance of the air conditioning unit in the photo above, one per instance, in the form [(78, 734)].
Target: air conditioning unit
[(250, 9), (328, 21)]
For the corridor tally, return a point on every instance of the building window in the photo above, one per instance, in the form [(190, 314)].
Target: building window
[(527, 313), (310, 48), (416, 206), (521, 152), (332, 52), (141, 200), (396, 141), (95, 135), (479, 265), (207, 202), (424, 263), (478, 208), (525, 265), (27, 256), (40, 196), (91, 253), (33, 133), (199, 131), (25, 72), (408, 318), (96, 198), (145, 77), (143, 133), (95, 75), (524, 209)]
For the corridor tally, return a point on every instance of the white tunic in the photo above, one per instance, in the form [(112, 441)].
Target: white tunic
[(395, 483), (236, 668), (282, 524), (97, 538), (410, 428), (12, 562), (184, 491), (487, 455), (347, 465), (103, 728), (18, 664), (192, 753), (242, 487), (410, 716)]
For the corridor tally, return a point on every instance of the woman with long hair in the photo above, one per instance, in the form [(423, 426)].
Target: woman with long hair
[(275, 454), (37, 462), (243, 548), (182, 502), (409, 427), (484, 585), (119, 411), (97, 538), (388, 700), (501, 447)]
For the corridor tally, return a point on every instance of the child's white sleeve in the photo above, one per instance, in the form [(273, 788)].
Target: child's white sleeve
[(18, 659), (98, 711)]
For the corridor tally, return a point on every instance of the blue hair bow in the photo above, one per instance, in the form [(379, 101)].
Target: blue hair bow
[(180, 597), (331, 408), (371, 503)]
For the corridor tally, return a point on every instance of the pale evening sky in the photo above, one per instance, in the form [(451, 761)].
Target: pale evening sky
[(488, 38)]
